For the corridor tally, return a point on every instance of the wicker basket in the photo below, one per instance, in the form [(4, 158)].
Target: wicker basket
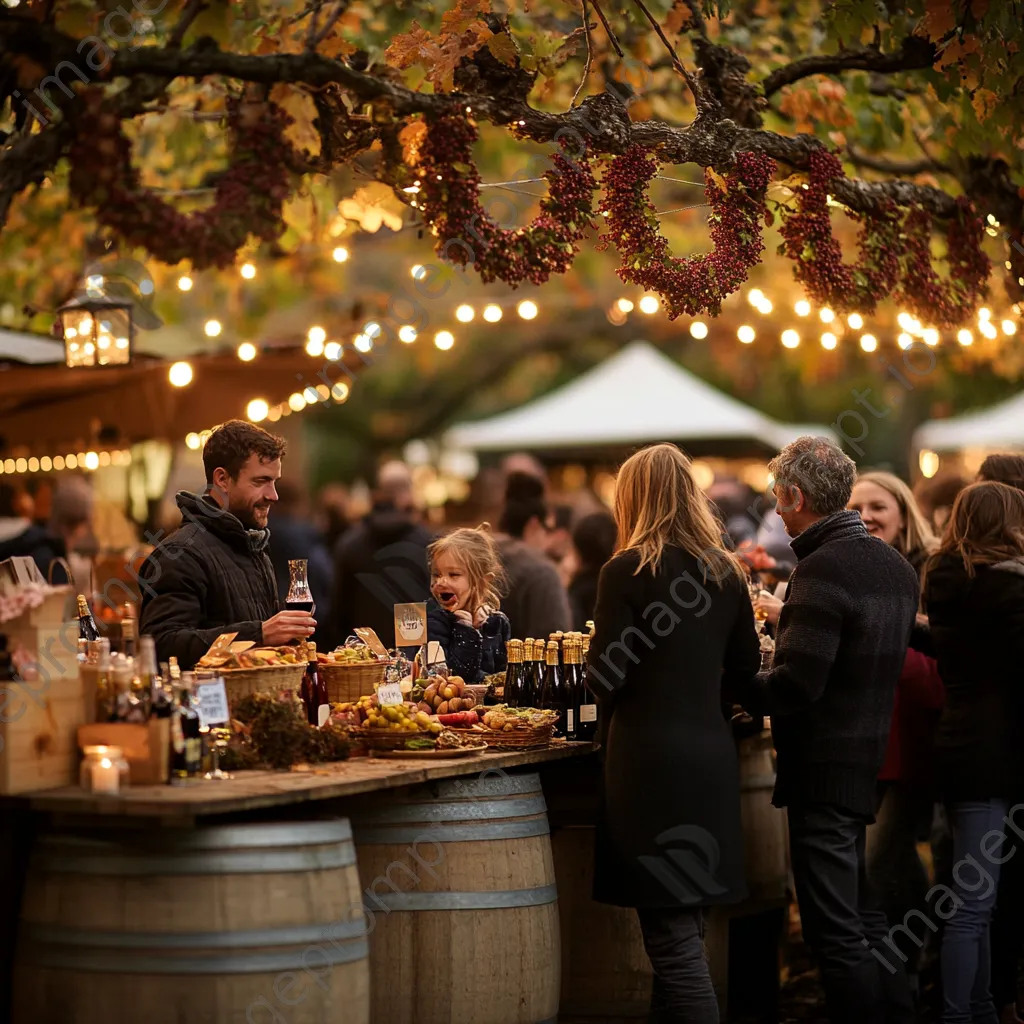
[(350, 682), (240, 682), (382, 739), (517, 739)]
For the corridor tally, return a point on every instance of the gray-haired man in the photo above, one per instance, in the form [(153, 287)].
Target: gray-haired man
[(841, 643)]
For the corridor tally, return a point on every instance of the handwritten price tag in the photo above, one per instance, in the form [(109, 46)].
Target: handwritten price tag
[(213, 703), (389, 693)]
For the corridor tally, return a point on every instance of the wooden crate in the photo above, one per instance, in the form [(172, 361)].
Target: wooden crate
[(146, 746), (40, 713)]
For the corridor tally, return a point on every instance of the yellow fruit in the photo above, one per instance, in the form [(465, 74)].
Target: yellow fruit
[(435, 728), (423, 718)]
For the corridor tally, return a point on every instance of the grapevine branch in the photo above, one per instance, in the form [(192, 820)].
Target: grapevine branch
[(915, 53)]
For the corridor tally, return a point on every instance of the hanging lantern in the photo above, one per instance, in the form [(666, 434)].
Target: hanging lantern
[(96, 331)]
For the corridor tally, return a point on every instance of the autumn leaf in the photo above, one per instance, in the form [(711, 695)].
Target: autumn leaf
[(984, 102), (939, 18), (411, 137), (462, 16), (372, 207), (300, 106), (678, 19), (439, 55), (503, 48)]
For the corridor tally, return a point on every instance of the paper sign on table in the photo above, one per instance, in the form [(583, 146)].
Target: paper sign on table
[(389, 693), (213, 703), (323, 714), (410, 624)]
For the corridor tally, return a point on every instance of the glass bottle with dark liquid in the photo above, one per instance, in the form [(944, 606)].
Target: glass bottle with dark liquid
[(314, 688), (554, 695), (87, 631), (515, 675), (533, 654), (586, 704)]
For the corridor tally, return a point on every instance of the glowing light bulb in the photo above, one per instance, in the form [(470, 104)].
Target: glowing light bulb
[(296, 402), (855, 320), (363, 342), (465, 313), (192, 441), (371, 329), (649, 304), (316, 334), (444, 340), (699, 329), (332, 351), (180, 374), (904, 340), (212, 328), (790, 338), (803, 308), (868, 342), (315, 347), (92, 460), (257, 410), (248, 271), (407, 334), (185, 283), (340, 391), (988, 329), (418, 272), (247, 351), (625, 305), (1009, 327), (765, 307), (829, 341), (746, 334), (826, 315), (755, 296), (492, 313), (929, 463), (527, 309), (984, 313), (340, 254), (931, 336)]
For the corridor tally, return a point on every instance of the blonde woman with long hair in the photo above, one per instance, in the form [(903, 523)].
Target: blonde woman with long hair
[(674, 635)]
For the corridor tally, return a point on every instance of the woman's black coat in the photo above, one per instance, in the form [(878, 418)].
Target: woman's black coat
[(668, 648)]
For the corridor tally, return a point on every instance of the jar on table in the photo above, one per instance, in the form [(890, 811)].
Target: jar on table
[(103, 770)]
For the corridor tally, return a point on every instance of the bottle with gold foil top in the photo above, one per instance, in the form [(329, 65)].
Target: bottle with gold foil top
[(515, 675), (87, 631), (555, 695), (584, 700)]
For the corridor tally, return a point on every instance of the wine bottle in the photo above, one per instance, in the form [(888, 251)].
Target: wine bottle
[(190, 727), (128, 637), (571, 674), (515, 675), (314, 687), (104, 684), (86, 627), (553, 695), (160, 699), (534, 656), (586, 705)]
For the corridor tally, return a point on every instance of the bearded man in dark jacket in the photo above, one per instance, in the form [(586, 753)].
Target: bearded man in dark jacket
[(213, 574)]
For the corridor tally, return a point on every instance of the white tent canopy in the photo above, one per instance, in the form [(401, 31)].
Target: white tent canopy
[(29, 348), (1000, 426), (638, 395)]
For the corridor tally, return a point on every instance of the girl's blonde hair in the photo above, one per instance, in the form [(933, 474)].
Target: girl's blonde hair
[(658, 504), (915, 539), (477, 553)]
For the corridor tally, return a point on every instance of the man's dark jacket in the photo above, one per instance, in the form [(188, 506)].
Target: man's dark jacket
[(840, 648), (378, 563), (211, 576)]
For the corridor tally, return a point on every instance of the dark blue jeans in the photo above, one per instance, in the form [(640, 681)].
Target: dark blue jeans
[(683, 993), (966, 956), (864, 980)]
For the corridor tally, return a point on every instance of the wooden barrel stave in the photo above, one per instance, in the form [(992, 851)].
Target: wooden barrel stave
[(466, 931), (122, 930)]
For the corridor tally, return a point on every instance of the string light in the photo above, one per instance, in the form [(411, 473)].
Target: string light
[(46, 463), (905, 320), (931, 336), (316, 334), (649, 304), (904, 340), (988, 329), (311, 395), (965, 337), (418, 272), (527, 309), (465, 313), (856, 321), (755, 297), (248, 271), (929, 463), (408, 333), (315, 346), (790, 338), (492, 313), (296, 402), (699, 329), (826, 315), (868, 342), (275, 414), (372, 329), (765, 307), (212, 328), (1009, 327), (746, 334), (340, 254), (247, 351), (624, 305), (180, 374), (185, 283), (332, 351), (340, 391), (82, 460), (984, 313), (803, 308), (829, 340), (192, 441), (58, 462), (363, 342), (444, 340)]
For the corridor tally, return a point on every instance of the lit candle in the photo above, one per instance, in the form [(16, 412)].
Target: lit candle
[(105, 777)]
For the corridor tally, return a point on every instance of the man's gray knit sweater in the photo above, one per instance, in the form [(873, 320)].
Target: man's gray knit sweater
[(840, 648)]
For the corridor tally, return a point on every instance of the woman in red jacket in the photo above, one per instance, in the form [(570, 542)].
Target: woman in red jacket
[(906, 781)]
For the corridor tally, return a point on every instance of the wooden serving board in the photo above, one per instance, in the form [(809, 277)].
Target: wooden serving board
[(431, 755)]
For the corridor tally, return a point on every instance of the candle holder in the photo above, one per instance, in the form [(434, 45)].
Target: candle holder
[(104, 770)]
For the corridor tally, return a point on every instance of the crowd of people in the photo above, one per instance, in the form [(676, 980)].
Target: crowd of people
[(892, 693)]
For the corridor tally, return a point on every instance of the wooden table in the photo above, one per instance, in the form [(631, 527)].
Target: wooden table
[(254, 790)]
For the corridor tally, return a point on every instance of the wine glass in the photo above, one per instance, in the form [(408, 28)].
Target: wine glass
[(218, 741), (300, 597)]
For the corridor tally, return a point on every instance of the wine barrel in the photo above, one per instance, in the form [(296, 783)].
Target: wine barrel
[(238, 924), (765, 836), (605, 969), (460, 900)]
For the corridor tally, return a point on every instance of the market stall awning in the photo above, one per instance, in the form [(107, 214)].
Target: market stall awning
[(999, 426), (638, 395)]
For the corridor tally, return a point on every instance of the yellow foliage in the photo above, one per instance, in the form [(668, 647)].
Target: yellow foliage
[(299, 105), (372, 207)]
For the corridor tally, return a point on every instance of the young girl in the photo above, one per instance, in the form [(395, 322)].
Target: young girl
[(465, 573)]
